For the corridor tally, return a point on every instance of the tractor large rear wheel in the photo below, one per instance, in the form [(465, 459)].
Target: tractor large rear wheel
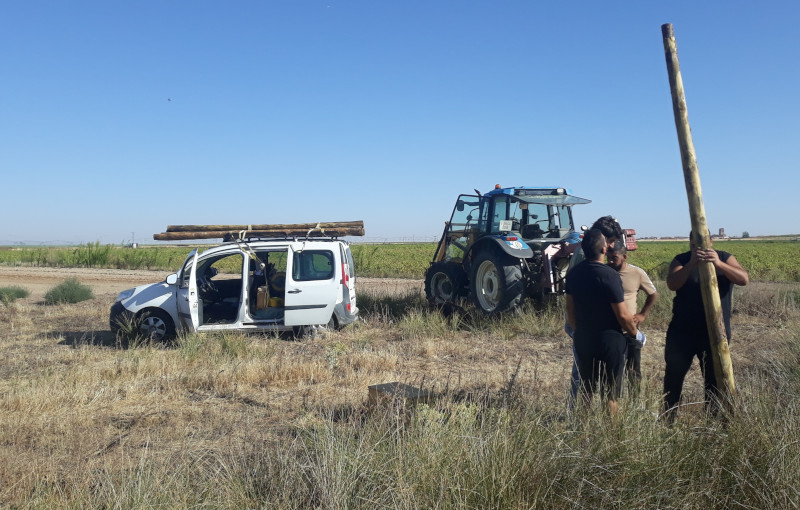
[(496, 284), (444, 282)]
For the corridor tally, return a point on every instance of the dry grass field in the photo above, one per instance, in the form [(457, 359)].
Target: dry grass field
[(241, 421)]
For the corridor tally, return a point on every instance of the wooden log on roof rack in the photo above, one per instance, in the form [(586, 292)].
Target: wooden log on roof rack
[(235, 234), (278, 227), (329, 229)]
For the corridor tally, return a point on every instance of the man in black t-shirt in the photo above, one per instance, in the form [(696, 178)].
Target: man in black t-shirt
[(687, 335), (611, 229), (597, 314)]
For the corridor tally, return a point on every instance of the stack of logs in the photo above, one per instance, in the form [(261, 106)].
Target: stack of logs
[(231, 232)]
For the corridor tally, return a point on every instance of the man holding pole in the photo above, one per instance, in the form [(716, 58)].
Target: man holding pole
[(701, 267), (687, 335)]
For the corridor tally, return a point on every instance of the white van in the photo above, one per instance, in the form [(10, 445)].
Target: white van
[(263, 285)]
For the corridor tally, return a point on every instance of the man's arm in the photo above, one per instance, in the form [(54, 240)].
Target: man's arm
[(570, 312), (679, 273), (624, 318), (651, 296), (648, 304), (731, 269)]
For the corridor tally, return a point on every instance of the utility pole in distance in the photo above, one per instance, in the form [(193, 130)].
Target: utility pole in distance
[(723, 368)]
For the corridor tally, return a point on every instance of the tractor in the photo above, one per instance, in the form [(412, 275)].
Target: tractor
[(504, 246)]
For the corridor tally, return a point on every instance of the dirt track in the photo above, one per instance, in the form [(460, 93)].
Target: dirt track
[(38, 280)]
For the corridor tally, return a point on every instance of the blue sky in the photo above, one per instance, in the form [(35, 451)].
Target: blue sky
[(120, 118)]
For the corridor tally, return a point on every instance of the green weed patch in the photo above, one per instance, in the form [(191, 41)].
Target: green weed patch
[(69, 291), (12, 293)]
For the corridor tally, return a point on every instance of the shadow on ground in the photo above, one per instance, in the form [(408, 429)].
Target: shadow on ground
[(93, 338)]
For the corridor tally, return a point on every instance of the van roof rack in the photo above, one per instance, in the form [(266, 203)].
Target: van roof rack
[(251, 239), (274, 231)]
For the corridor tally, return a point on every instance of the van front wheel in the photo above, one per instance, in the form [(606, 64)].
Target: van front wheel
[(156, 325)]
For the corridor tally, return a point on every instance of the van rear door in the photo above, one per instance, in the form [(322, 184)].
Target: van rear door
[(311, 286)]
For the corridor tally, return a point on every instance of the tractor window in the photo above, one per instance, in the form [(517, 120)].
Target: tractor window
[(506, 208), (515, 213), (466, 215), (537, 213), (466, 224), (537, 221), (550, 221), (564, 219), (499, 212), (484, 218)]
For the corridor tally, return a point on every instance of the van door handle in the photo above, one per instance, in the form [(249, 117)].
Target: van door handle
[(294, 291)]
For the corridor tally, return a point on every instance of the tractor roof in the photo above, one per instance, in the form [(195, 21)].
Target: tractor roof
[(540, 195)]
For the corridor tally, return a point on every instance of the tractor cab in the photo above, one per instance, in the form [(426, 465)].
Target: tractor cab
[(535, 213), (536, 216)]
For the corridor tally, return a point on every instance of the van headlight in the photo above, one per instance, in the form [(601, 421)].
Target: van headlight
[(125, 294)]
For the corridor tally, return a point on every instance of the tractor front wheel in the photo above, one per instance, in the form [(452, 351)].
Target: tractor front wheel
[(496, 282), (443, 283)]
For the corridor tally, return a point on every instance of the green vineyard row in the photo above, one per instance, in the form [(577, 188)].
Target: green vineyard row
[(765, 260)]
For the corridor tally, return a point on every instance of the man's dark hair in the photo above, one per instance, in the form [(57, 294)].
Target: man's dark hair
[(593, 243), (608, 226), (618, 248)]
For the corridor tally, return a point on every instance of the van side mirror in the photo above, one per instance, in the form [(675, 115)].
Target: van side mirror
[(172, 279)]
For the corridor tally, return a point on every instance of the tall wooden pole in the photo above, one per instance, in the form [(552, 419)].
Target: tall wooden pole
[(723, 369)]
